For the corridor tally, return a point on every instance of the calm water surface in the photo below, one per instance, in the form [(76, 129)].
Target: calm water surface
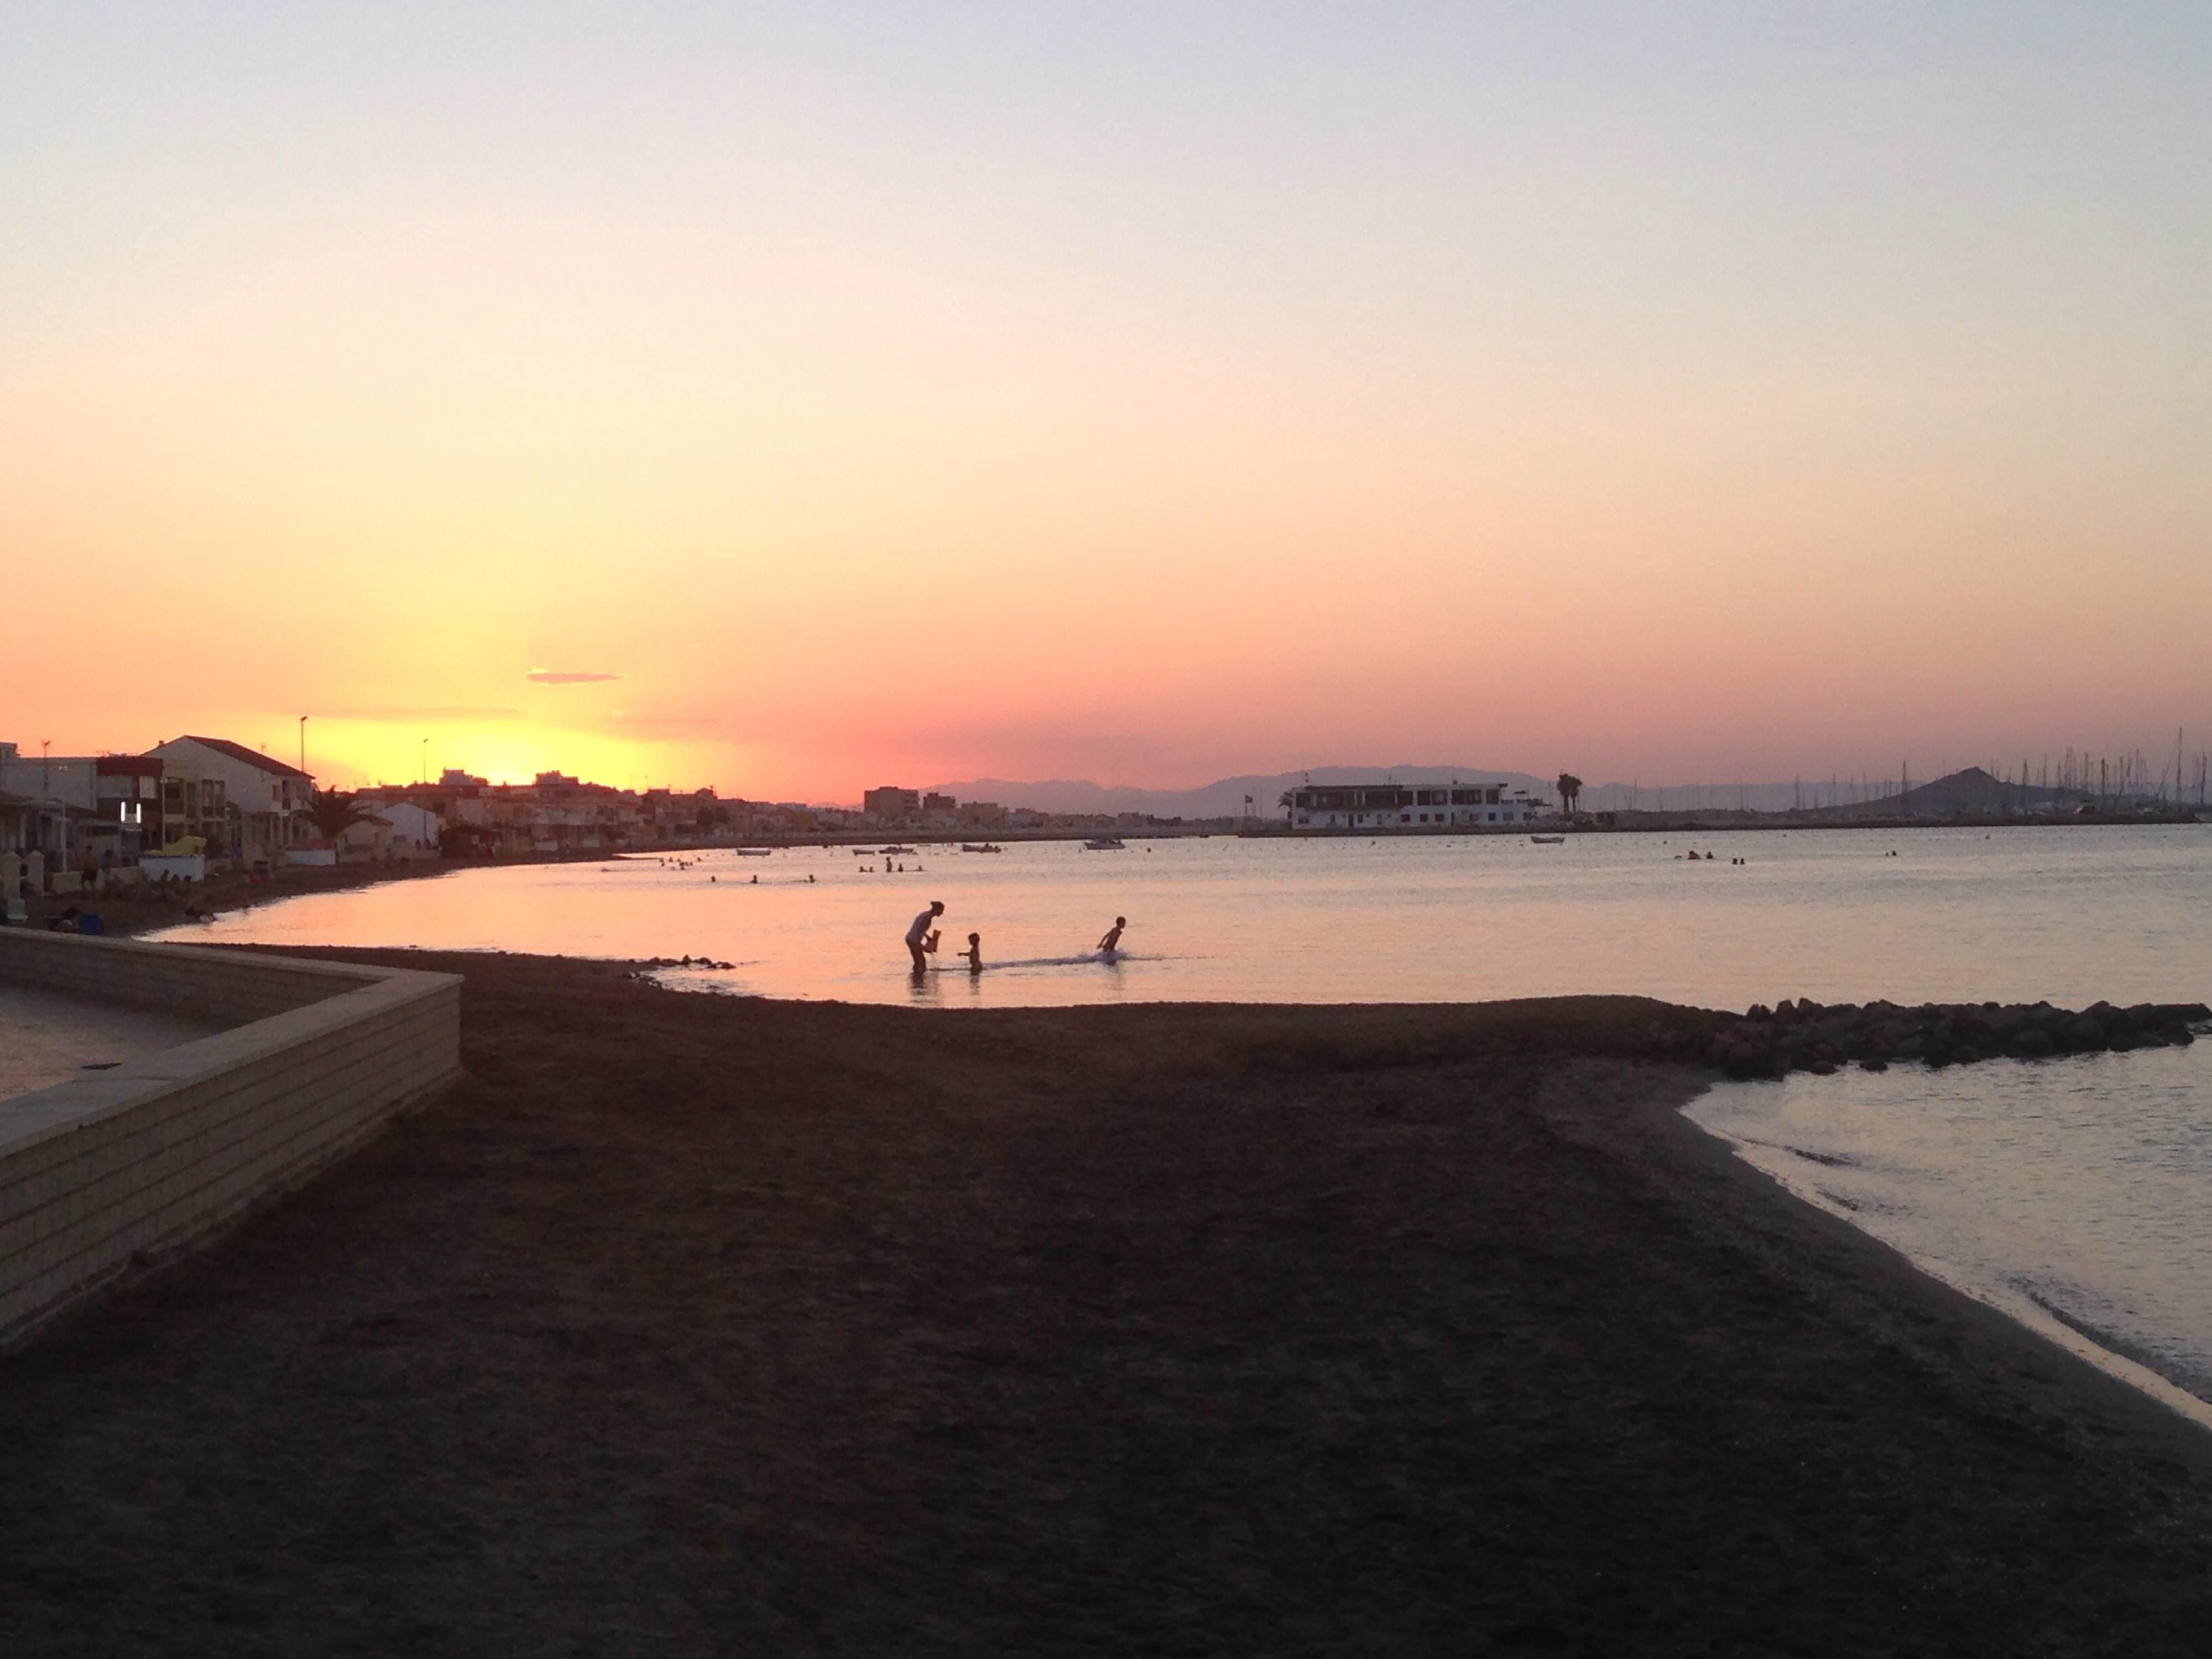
[(2076, 1194), (2070, 914)]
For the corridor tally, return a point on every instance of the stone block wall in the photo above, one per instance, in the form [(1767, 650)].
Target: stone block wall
[(223, 988), (137, 1162)]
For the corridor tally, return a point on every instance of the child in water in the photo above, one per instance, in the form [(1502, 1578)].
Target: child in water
[(974, 953), (1112, 942)]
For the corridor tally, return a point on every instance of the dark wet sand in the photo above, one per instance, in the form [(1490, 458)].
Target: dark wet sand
[(693, 1325)]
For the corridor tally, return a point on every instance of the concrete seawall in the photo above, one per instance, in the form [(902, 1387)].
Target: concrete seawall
[(224, 987), (139, 1161)]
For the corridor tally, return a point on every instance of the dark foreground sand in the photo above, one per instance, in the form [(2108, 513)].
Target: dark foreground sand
[(691, 1325)]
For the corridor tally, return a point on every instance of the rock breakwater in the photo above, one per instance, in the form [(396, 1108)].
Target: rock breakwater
[(1807, 1036)]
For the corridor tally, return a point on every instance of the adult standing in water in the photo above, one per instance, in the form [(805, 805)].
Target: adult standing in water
[(920, 939)]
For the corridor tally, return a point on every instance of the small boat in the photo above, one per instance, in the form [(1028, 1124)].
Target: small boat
[(970, 847), (908, 851), (1547, 840), (1105, 844), (752, 852)]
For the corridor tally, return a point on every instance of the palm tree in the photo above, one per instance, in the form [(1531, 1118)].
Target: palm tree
[(1570, 791), (336, 810)]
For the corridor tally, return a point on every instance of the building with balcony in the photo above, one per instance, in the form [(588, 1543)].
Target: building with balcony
[(1379, 806), (262, 803), (102, 809)]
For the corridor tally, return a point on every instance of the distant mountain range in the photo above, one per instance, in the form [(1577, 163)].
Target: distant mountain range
[(1222, 800)]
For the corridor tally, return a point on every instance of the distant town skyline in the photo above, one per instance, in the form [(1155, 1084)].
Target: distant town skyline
[(791, 399), (2174, 768)]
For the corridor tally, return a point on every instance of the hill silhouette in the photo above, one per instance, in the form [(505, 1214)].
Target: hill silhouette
[(1973, 791)]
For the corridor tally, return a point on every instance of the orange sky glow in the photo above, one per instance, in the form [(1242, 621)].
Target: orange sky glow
[(836, 397)]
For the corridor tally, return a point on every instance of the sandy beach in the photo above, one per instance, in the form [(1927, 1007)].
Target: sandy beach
[(696, 1324)]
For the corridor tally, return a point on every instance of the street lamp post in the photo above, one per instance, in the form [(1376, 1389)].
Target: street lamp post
[(303, 743)]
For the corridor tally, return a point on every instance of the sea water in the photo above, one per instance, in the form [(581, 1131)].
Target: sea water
[(2076, 1192), (2070, 914)]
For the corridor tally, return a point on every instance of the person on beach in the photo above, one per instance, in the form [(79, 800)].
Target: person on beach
[(975, 954), (1111, 944), (921, 938)]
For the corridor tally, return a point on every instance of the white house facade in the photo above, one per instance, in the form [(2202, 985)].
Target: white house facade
[(414, 829), (1379, 806), (266, 801)]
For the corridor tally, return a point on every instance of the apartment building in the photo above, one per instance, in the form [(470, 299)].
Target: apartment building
[(259, 807)]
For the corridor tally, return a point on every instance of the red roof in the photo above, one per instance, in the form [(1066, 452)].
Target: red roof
[(239, 751)]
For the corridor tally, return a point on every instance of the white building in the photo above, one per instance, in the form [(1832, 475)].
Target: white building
[(414, 829), (266, 801), (78, 807), (1375, 806)]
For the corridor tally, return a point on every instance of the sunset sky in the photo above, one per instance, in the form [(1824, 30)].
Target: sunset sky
[(800, 397)]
